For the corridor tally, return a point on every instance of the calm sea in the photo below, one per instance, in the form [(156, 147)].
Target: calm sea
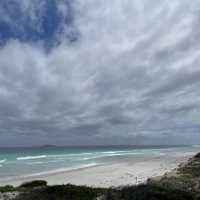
[(23, 162)]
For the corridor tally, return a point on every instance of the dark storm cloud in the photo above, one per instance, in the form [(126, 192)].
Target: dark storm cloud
[(132, 75)]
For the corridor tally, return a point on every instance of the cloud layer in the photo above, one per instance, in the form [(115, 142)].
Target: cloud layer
[(116, 72)]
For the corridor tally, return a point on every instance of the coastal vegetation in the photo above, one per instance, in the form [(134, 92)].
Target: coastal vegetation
[(183, 184), (33, 184)]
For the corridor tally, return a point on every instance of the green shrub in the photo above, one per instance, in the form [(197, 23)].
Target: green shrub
[(197, 156), (153, 192), (7, 188), (62, 192), (32, 184), (141, 192)]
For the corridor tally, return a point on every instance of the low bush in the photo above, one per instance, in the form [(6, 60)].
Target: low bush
[(153, 192), (62, 192), (33, 184), (7, 188)]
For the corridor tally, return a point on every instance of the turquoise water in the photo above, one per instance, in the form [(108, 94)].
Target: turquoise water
[(23, 162)]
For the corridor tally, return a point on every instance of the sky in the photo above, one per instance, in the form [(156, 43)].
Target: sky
[(98, 72)]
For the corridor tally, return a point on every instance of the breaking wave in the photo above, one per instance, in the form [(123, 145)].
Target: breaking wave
[(2, 161), (31, 157)]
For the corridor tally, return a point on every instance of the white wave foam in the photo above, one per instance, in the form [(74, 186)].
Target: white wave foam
[(3, 161), (112, 155), (31, 157), (159, 153), (42, 162), (35, 163), (72, 155), (84, 156), (94, 153), (68, 155), (113, 152)]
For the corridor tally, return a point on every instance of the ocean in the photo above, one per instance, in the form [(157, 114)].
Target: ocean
[(27, 162)]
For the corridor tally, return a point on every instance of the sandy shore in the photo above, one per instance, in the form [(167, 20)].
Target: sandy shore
[(112, 174)]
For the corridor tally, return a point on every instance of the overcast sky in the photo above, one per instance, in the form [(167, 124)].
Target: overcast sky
[(88, 72)]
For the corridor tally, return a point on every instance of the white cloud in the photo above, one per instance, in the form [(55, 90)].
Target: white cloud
[(133, 71)]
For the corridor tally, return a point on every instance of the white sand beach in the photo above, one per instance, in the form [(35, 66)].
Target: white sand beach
[(111, 175)]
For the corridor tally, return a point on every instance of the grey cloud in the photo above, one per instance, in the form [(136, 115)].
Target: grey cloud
[(131, 78), (176, 82)]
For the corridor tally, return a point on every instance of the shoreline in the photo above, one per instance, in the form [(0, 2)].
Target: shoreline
[(110, 174)]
